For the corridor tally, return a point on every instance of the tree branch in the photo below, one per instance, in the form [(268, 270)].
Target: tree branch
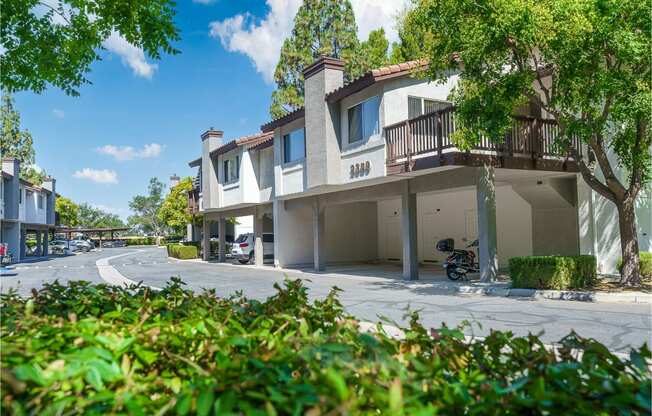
[(596, 144), (57, 11), (591, 179)]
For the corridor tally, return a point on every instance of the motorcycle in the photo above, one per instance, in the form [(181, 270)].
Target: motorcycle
[(459, 262), (5, 257)]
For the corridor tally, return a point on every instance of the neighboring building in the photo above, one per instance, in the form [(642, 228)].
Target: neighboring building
[(368, 171), (25, 209)]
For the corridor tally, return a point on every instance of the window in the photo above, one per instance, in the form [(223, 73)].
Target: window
[(294, 146), (40, 202), (231, 169), (268, 238), (418, 106), (363, 120)]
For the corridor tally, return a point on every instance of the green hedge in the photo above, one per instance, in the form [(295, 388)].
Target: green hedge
[(140, 241), (646, 264), (553, 272), (182, 252), (99, 349)]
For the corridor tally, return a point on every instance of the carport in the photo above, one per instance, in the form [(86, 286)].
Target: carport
[(400, 221), (262, 223), (99, 232)]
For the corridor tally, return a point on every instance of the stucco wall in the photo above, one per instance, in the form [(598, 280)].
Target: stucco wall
[(293, 240), (290, 178), (555, 231), (351, 230), (454, 215), (231, 193), (266, 173)]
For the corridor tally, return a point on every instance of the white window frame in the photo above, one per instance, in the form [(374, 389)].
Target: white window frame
[(362, 139), (235, 160), (283, 144), (423, 103)]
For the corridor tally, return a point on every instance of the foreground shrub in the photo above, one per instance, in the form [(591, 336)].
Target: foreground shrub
[(182, 252), (646, 264), (97, 349), (553, 272)]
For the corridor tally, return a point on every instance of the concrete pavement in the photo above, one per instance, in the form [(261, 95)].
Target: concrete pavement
[(618, 326)]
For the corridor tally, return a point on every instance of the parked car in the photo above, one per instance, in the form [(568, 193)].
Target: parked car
[(59, 246), (82, 245), (243, 247)]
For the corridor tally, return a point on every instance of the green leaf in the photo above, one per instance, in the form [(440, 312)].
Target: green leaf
[(205, 401)]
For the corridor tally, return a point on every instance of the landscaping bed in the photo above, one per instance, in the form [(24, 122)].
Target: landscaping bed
[(99, 349)]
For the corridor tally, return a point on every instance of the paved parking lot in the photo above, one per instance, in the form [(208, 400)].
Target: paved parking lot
[(617, 325)]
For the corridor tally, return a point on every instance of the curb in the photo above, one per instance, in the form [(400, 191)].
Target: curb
[(579, 296)]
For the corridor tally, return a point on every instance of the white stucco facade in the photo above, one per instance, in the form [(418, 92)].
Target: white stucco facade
[(342, 203)]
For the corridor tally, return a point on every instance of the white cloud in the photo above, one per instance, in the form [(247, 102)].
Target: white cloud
[(97, 175), (122, 153), (131, 56), (58, 113), (261, 40)]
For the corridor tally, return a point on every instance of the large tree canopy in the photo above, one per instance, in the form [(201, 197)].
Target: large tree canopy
[(14, 142), (68, 212), (322, 28), (89, 216), (146, 208), (55, 42), (585, 62), (174, 211)]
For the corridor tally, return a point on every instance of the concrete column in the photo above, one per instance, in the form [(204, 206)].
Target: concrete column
[(222, 245), (46, 244), (409, 226), (23, 243), (319, 235), (277, 208), (206, 239), (39, 242), (486, 199), (258, 238)]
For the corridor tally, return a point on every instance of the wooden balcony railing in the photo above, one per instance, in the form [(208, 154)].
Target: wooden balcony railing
[(431, 133)]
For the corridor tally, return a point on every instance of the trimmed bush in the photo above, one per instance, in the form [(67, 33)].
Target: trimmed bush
[(99, 349), (553, 272), (182, 252), (140, 241), (646, 264)]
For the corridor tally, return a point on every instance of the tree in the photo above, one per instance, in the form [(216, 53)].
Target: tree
[(46, 42), (174, 210), (146, 209), (15, 142), (92, 217), (587, 63), (321, 27), (371, 53), (68, 212)]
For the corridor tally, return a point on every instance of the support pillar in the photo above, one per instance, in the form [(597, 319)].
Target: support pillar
[(23, 243), (319, 235), (45, 251), (409, 226), (222, 245), (39, 242), (206, 239), (258, 238), (486, 199), (277, 212)]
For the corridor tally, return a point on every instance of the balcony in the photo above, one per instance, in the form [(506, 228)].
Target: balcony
[(425, 142)]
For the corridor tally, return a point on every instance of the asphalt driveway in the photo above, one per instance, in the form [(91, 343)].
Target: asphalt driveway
[(617, 325)]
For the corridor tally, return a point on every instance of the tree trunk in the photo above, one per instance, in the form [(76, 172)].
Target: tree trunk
[(631, 268)]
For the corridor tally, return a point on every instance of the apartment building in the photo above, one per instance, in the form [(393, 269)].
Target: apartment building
[(25, 209), (368, 171)]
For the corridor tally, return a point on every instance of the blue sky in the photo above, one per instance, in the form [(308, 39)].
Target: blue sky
[(142, 118)]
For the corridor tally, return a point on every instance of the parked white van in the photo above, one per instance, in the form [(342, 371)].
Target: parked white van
[(243, 247)]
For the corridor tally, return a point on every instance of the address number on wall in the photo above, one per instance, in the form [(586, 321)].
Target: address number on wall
[(360, 169)]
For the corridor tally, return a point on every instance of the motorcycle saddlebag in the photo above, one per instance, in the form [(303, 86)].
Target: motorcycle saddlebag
[(447, 244)]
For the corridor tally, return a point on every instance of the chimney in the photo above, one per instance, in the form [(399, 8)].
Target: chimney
[(50, 184), (211, 140), (174, 180), (11, 195), (322, 121)]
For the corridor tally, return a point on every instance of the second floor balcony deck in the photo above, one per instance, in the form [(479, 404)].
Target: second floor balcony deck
[(426, 142)]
